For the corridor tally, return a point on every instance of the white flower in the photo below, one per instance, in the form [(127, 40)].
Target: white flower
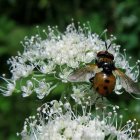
[(47, 68), (61, 53), (27, 90), (10, 87), (83, 94), (43, 88), (57, 121), (19, 68)]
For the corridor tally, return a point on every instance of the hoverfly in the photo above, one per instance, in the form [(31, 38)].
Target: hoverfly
[(105, 73)]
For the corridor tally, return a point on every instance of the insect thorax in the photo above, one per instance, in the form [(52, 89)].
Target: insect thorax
[(106, 64)]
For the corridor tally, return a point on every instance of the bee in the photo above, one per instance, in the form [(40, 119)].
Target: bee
[(105, 73)]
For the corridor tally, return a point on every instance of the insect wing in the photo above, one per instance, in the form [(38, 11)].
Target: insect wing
[(128, 84), (84, 74)]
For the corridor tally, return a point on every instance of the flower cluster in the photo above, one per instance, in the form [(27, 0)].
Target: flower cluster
[(47, 64), (53, 59), (57, 120)]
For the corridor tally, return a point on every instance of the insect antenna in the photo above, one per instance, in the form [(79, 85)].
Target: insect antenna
[(105, 33), (109, 46), (106, 45)]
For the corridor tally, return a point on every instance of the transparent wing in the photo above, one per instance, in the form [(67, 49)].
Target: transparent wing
[(84, 74), (128, 84)]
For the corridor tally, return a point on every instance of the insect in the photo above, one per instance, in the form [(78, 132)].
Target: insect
[(105, 73)]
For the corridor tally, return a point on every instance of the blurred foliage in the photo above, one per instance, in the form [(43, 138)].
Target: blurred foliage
[(19, 18)]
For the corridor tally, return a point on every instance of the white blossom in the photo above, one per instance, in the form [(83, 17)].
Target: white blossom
[(28, 89), (59, 54), (82, 94), (10, 87), (43, 88), (57, 121)]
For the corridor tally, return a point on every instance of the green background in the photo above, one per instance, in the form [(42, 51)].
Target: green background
[(18, 18)]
